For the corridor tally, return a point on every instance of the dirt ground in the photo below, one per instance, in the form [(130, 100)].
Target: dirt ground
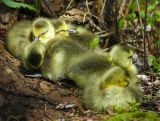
[(34, 99)]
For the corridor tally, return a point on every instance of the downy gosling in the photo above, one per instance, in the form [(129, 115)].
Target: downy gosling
[(107, 82), (116, 88), (25, 32), (35, 51), (28, 40), (108, 79), (18, 38)]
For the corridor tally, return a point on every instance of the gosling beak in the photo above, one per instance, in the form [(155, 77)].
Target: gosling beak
[(36, 39), (72, 31)]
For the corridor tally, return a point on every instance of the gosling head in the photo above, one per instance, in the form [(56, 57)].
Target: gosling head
[(61, 28), (121, 56), (43, 30), (115, 90), (34, 55)]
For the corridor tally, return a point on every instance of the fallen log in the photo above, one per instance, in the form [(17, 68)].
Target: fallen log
[(13, 80)]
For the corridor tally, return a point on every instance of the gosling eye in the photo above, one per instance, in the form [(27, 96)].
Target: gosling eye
[(120, 83), (130, 56), (43, 33), (61, 31), (126, 83), (37, 38)]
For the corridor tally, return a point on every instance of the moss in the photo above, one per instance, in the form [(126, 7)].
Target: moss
[(135, 116)]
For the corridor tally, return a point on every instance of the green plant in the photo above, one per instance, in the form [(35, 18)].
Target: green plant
[(152, 15), (122, 24), (13, 4), (94, 43), (153, 62)]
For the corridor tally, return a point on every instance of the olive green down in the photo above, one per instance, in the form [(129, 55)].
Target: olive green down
[(107, 78)]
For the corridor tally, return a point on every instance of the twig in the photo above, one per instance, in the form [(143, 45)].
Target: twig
[(84, 17), (88, 7), (139, 11), (108, 34), (101, 32), (2, 42), (93, 24), (69, 5), (145, 37), (116, 21), (47, 3), (134, 48), (121, 8), (9, 118), (143, 34), (103, 7)]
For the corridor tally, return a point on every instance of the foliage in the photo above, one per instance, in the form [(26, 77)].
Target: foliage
[(153, 62), (13, 4), (153, 15), (136, 15), (122, 24), (94, 43), (135, 116)]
